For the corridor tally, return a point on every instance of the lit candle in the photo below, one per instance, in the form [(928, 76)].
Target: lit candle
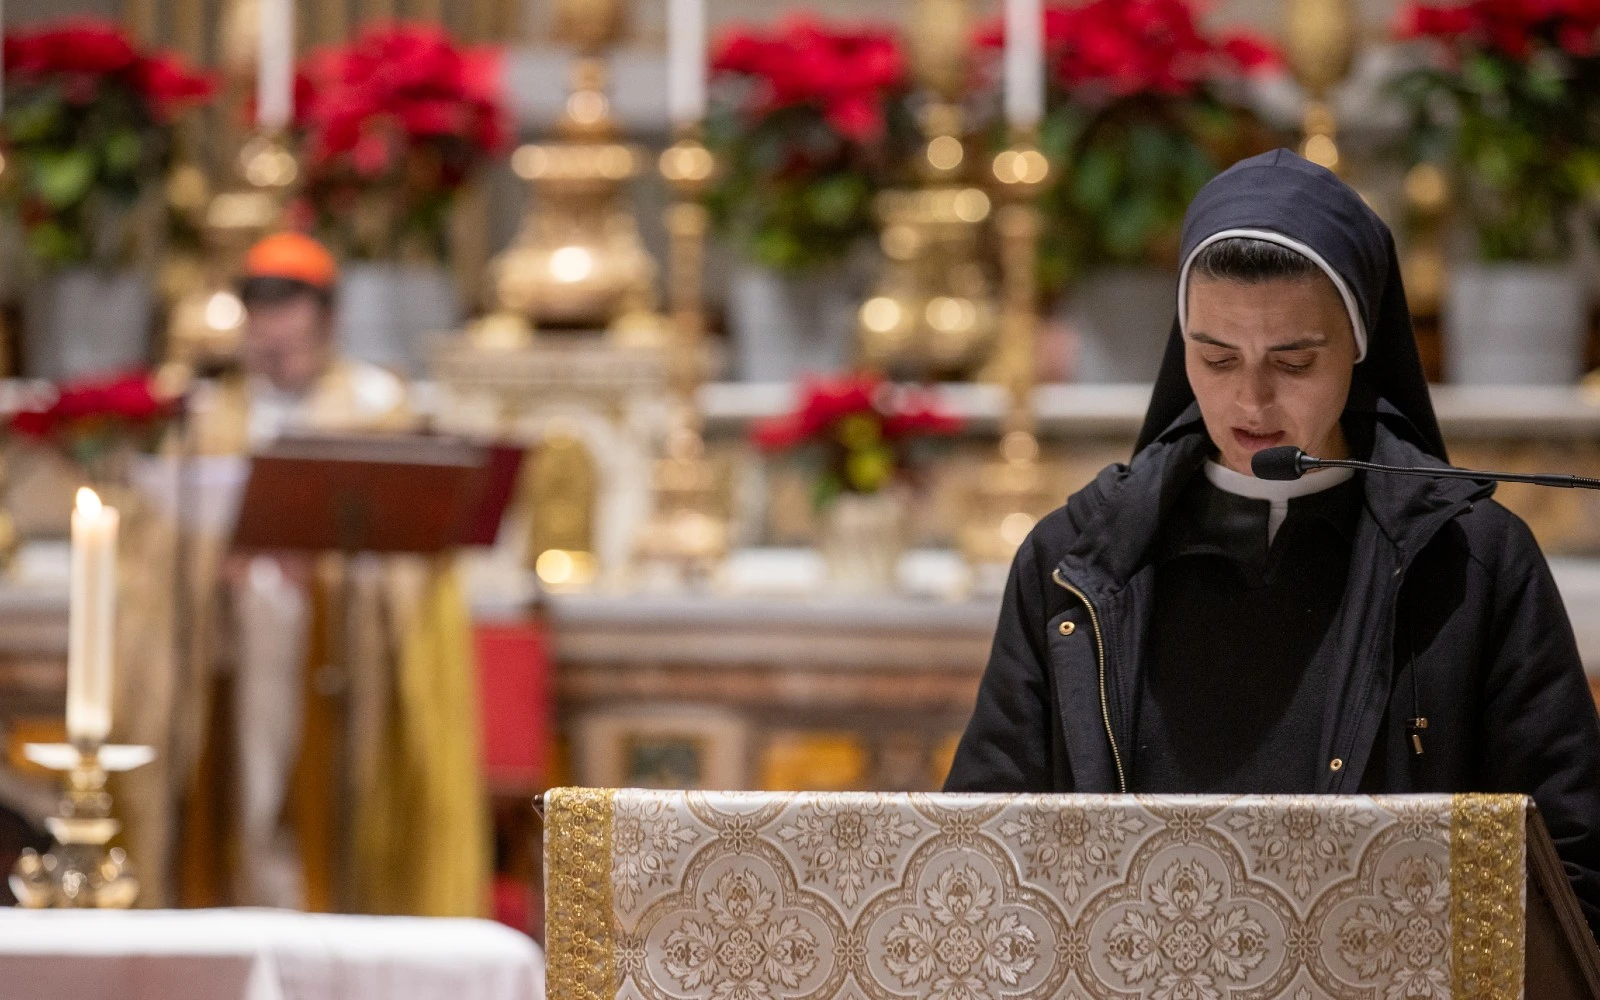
[(1024, 63), (275, 66), (686, 61), (90, 619)]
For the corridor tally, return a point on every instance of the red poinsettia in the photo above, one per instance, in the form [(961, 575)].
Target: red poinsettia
[(847, 72), (862, 424), (88, 131), (1139, 46), (86, 412), (405, 82), (402, 115), (83, 54), (1511, 27)]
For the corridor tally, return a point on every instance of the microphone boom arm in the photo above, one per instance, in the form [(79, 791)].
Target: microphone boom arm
[(1536, 478)]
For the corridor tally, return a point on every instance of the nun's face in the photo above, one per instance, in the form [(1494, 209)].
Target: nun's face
[(1270, 365)]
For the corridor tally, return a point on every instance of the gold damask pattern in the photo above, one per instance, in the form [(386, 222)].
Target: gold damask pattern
[(578, 894), (809, 896), (1488, 858)]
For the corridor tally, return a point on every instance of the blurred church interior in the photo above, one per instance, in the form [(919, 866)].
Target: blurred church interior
[(485, 396)]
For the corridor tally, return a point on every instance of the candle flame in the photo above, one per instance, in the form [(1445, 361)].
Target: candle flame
[(88, 502)]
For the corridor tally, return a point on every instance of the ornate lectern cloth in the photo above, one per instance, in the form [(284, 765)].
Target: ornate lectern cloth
[(766, 896)]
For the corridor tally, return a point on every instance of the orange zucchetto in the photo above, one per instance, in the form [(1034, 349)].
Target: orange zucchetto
[(293, 256)]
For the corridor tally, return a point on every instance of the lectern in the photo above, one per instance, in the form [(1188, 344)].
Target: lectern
[(852, 895), (352, 495), (374, 493)]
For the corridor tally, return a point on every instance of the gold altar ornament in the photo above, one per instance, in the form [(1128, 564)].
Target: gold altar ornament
[(1320, 38), (562, 480), (577, 260), (931, 311), (80, 869)]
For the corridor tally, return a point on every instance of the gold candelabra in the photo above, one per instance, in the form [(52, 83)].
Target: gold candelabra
[(1015, 489), (688, 530), (80, 869), (578, 260), (932, 310), (259, 172), (207, 320), (1320, 39)]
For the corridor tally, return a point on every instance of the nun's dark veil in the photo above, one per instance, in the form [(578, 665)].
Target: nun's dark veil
[(1284, 194)]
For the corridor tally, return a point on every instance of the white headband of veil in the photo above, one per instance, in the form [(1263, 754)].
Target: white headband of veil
[(1356, 325)]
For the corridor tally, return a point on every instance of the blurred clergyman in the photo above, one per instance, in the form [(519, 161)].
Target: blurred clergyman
[(294, 378), (349, 787)]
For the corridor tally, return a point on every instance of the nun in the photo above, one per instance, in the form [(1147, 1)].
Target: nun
[(1181, 626)]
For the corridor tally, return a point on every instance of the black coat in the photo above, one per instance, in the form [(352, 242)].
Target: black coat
[(1450, 613)]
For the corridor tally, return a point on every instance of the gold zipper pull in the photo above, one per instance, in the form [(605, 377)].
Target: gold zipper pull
[(1418, 724)]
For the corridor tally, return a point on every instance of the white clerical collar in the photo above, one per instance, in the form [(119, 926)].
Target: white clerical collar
[(1277, 492)]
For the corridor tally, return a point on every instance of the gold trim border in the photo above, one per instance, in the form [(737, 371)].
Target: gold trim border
[(580, 951), (1488, 872)]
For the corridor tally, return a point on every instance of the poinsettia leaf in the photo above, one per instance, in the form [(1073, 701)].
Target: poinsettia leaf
[(123, 151), (33, 118), (1484, 73), (61, 179), (49, 241), (777, 247), (838, 199), (1148, 159), (1095, 178), (1127, 231), (824, 490), (1584, 167), (1546, 80)]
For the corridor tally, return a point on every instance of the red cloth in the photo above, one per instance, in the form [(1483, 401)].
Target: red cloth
[(512, 903), (514, 688)]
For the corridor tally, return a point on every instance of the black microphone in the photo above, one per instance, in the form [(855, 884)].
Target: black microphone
[(1281, 463), (1288, 462)]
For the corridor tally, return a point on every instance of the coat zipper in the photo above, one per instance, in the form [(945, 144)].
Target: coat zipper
[(1400, 572), (1100, 660)]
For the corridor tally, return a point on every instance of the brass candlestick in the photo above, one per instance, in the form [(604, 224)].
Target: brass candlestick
[(688, 532), (687, 167), (1014, 491), (80, 870)]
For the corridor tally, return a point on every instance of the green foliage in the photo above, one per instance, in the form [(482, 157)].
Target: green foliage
[(1126, 171), (793, 193), (1520, 138), (75, 168)]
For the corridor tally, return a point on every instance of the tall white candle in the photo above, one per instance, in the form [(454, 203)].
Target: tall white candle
[(91, 618), (275, 66), (686, 61), (1024, 63)]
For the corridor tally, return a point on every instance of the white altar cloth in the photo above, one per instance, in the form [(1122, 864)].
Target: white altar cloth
[(261, 955)]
